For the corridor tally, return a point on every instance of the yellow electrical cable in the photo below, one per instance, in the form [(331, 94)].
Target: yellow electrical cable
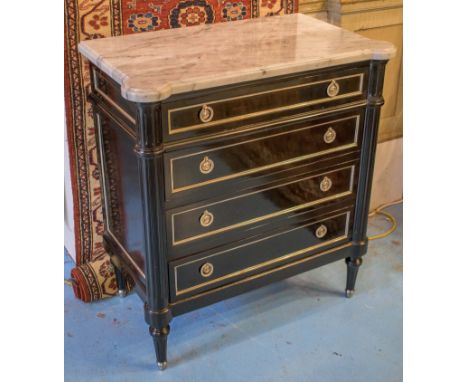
[(378, 211)]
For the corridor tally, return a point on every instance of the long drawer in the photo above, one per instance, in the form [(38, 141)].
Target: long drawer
[(284, 198), (237, 106), (196, 169), (216, 268)]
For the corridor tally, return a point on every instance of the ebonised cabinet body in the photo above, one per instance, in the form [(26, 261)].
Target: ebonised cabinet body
[(212, 193)]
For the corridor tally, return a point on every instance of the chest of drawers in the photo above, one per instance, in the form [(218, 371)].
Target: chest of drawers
[(224, 171)]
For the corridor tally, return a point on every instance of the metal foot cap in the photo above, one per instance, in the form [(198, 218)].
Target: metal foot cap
[(162, 365), (122, 292), (349, 293)]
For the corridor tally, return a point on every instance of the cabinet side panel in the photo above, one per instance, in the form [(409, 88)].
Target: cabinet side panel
[(122, 196)]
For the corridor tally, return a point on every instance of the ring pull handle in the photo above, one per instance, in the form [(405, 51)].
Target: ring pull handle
[(206, 113), (333, 89), (206, 165), (330, 135), (321, 231), (326, 184), (206, 270), (206, 219)]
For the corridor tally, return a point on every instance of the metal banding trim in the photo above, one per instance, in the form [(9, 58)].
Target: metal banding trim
[(260, 274), (264, 217), (262, 112), (173, 145), (266, 167), (266, 263)]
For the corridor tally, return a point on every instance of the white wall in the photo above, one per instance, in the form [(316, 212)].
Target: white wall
[(387, 185)]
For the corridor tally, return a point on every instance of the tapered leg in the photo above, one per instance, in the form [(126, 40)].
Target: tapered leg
[(160, 344), (353, 268)]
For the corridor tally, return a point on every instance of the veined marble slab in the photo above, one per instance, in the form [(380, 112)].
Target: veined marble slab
[(152, 66)]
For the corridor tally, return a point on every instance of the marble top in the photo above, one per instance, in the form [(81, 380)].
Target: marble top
[(152, 66)]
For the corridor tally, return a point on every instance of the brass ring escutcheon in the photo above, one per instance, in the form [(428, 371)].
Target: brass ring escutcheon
[(333, 89), (206, 165), (206, 270), (321, 231), (206, 219), (330, 135), (326, 184), (206, 113)]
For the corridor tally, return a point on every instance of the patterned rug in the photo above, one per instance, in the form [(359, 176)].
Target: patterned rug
[(90, 19)]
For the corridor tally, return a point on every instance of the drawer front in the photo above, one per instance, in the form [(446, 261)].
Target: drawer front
[(260, 206), (303, 141), (190, 277), (240, 106)]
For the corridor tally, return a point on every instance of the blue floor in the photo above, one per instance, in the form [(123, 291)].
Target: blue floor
[(300, 329)]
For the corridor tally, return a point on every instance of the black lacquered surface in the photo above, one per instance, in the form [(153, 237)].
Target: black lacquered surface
[(293, 194), (122, 197), (287, 145), (181, 119), (266, 252), (261, 101), (246, 256)]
